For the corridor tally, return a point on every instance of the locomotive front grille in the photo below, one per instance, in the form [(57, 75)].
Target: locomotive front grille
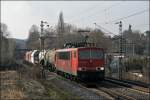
[(91, 75)]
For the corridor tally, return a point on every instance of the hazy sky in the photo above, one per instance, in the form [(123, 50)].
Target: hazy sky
[(20, 15)]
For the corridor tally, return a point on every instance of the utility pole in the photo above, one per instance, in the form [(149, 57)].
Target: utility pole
[(121, 38), (148, 42), (133, 46), (42, 37), (42, 44), (120, 50)]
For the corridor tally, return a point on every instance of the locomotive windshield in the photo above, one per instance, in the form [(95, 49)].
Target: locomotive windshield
[(91, 54)]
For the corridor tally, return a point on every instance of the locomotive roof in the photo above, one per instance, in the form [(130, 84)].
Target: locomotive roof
[(69, 49)]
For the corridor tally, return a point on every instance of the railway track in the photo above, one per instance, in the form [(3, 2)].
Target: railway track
[(122, 92), (116, 95), (116, 91), (113, 90), (145, 88)]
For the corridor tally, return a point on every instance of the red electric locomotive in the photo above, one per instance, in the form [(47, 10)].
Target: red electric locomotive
[(85, 63)]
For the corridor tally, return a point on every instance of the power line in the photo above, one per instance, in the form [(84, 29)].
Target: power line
[(107, 11), (107, 8), (134, 14), (112, 6), (85, 11), (142, 25), (109, 32)]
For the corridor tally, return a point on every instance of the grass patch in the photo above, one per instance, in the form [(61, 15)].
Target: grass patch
[(57, 93)]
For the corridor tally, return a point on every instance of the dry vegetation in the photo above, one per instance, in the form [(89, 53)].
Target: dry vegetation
[(28, 83), (45, 88), (9, 86)]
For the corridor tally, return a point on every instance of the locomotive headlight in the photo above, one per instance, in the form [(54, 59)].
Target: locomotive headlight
[(102, 68), (99, 68), (81, 68)]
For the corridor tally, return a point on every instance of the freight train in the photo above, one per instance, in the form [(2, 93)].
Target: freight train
[(83, 61)]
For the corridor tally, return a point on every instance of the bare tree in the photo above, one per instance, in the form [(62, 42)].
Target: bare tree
[(33, 39), (4, 30), (60, 26)]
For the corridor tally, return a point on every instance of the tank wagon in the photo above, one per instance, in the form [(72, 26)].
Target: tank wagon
[(49, 59), (41, 57), (28, 56), (32, 56), (35, 56)]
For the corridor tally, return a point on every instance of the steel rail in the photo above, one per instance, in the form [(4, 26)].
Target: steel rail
[(116, 95), (135, 87)]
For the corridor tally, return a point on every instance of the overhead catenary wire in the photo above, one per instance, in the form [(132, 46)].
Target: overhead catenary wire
[(131, 15), (142, 25), (113, 21), (87, 11), (116, 4), (106, 30)]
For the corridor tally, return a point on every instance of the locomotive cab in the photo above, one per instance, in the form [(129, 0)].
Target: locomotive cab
[(90, 63)]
